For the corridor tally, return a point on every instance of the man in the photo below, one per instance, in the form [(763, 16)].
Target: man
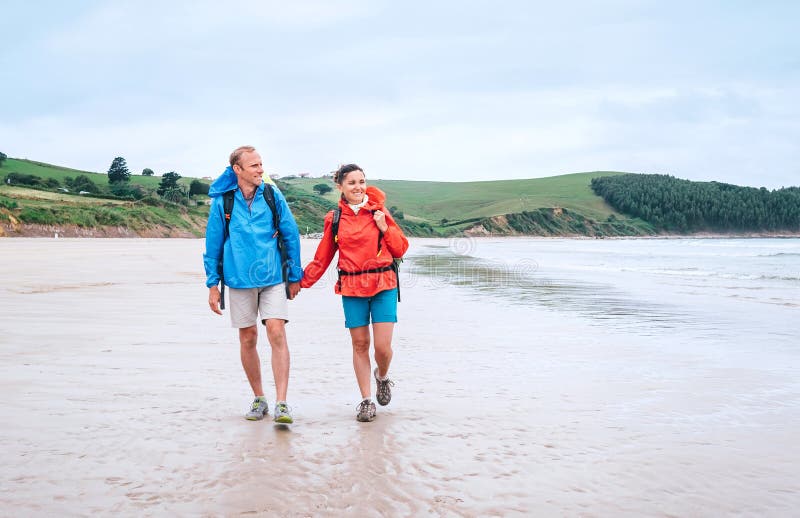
[(252, 270)]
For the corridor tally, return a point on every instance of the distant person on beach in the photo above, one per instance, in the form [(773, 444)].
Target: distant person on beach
[(369, 241), (243, 252)]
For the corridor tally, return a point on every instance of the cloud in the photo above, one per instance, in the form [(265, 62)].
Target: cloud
[(143, 27), (693, 134), (422, 91)]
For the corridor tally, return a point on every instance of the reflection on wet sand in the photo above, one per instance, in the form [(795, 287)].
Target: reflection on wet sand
[(31, 290), (522, 283)]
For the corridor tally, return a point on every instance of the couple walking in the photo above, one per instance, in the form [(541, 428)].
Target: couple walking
[(253, 248)]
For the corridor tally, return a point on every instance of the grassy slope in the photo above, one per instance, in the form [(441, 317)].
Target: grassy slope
[(457, 201), (307, 186), (428, 202), (432, 201), (13, 191), (51, 208), (464, 200), (15, 165)]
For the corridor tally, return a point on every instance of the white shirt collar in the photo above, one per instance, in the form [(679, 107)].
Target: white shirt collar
[(357, 207)]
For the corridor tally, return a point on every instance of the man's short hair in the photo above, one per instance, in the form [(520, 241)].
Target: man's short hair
[(238, 152)]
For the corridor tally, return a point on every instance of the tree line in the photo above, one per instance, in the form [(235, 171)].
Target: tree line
[(168, 187), (677, 205), (119, 185)]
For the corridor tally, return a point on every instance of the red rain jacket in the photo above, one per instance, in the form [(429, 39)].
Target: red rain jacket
[(358, 249)]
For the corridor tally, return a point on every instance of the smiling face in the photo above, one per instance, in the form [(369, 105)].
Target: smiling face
[(353, 187), (249, 170)]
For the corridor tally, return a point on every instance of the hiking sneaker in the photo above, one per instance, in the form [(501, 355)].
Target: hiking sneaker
[(283, 414), (366, 411), (258, 409), (384, 392)]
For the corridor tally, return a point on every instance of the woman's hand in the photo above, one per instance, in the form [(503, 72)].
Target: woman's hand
[(380, 220)]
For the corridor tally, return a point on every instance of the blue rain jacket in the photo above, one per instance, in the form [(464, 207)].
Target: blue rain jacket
[(251, 256)]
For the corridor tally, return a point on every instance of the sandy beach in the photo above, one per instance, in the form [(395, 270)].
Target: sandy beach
[(123, 394)]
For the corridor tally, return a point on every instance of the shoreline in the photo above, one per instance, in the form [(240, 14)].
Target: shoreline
[(74, 231)]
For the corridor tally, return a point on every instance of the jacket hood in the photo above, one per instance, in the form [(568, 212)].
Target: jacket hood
[(376, 198), (375, 202), (226, 181)]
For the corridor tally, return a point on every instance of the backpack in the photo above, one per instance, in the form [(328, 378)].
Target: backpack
[(395, 266), (227, 207)]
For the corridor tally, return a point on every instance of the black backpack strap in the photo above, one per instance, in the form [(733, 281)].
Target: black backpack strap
[(227, 209), (269, 197), (337, 215), (396, 267), (371, 270)]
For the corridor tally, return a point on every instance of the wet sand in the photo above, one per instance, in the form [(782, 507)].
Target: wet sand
[(122, 393)]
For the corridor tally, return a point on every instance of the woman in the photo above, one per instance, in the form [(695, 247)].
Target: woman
[(368, 241)]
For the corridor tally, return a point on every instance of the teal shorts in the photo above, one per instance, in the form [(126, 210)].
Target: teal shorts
[(382, 307)]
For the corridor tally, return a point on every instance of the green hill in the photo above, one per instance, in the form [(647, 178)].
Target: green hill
[(47, 209), (432, 201), (44, 170), (450, 208), (560, 205), (458, 201), (674, 205)]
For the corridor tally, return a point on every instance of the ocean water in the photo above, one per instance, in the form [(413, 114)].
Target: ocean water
[(737, 289), (646, 377)]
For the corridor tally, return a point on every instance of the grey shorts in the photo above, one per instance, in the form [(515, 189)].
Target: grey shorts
[(246, 304)]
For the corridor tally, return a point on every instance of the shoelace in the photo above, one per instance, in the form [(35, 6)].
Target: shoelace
[(383, 386), (364, 406)]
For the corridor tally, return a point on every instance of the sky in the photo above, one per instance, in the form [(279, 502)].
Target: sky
[(416, 90)]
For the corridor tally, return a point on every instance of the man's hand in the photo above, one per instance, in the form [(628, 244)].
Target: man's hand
[(213, 299), (294, 289)]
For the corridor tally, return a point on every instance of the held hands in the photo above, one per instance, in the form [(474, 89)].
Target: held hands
[(294, 289), (213, 299), (380, 220)]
